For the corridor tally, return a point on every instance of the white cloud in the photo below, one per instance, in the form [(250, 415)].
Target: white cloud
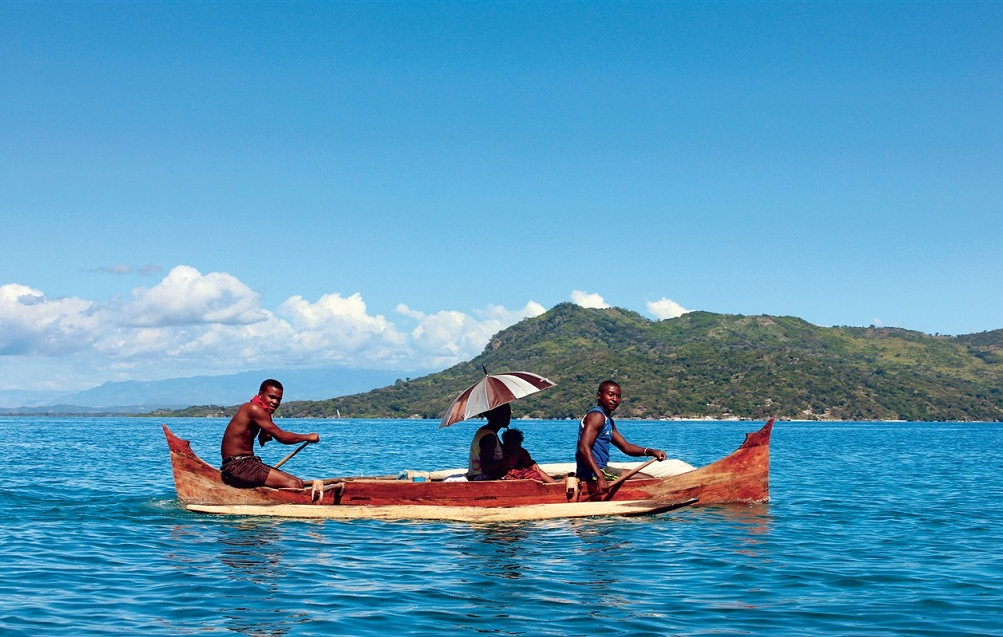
[(339, 329), (442, 334), (191, 324), (665, 308), (588, 299), (448, 337), (510, 317), (186, 296), (31, 324)]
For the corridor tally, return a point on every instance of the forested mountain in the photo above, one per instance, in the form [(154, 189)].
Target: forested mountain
[(714, 366), (704, 365)]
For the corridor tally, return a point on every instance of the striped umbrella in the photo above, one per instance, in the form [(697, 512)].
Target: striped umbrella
[(493, 391)]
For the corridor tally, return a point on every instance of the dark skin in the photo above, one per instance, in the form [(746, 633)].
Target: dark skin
[(253, 421), (608, 398), (514, 453), (498, 418)]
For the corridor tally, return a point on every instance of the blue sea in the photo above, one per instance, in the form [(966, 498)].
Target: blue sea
[(873, 529)]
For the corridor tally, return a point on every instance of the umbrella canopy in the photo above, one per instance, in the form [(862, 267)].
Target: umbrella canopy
[(493, 391)]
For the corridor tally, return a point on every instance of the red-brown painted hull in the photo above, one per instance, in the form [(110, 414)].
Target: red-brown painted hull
[(742, 476)]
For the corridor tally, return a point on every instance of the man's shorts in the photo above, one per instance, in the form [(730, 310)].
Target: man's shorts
[(244, 472), (610, 477)]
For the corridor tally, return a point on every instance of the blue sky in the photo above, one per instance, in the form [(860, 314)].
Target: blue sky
[(193, 188)]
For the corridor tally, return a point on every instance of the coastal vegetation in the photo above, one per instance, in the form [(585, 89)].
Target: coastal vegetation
[(706, 365)]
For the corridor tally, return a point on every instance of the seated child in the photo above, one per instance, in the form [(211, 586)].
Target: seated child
[(519, 464)]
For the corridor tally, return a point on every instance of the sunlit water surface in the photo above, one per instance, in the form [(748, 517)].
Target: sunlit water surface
[(873, 529)]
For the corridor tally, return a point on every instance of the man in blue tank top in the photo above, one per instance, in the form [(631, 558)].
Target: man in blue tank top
[(595, 433)]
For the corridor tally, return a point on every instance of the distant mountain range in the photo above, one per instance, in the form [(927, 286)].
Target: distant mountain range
[(705, 365), (178, 393), (700, 365)]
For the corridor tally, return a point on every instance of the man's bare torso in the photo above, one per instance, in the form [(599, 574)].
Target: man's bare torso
[(238, 439)]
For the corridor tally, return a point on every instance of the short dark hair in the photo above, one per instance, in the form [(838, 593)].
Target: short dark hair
[(603, 386), (512, 436), (271, 382)]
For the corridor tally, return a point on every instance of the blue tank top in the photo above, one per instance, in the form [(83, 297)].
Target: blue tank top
[(600, 448)]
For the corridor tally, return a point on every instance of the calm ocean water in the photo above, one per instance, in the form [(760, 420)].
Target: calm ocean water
[(873, 529)]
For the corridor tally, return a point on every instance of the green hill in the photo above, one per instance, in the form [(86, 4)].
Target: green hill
[(704, 365)]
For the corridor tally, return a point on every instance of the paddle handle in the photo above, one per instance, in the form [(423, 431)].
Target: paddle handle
[(293, 453), (623, 478)]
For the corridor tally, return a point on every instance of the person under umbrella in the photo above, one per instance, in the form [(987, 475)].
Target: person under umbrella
[(487, 462), (489, 398), (490, 392)]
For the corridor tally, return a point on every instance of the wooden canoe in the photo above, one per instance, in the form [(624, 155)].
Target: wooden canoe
[(742, 476), (630, 508)]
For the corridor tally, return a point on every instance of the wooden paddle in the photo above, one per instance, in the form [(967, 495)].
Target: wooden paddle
[(293, 453), (623, 478)]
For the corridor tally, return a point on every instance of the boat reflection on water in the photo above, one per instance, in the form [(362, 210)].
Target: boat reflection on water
[(501, 549), (248, 547), (246, 592), (755, 517), (749, 525)]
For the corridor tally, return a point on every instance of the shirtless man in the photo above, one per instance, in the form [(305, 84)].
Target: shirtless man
[(241, 468)]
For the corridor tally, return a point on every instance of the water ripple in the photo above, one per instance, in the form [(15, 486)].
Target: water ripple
[(868, 534)]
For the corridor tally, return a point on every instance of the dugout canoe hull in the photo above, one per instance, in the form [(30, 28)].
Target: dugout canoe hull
[(742, 476), (630, 508)]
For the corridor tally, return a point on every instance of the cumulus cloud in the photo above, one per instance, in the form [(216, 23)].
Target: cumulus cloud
[(32, 324), (186, 296), (588, 299), (665, 308), (192, 323), (449, 336), (337, 328)]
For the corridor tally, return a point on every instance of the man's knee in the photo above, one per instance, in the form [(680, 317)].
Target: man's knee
[(282, 480)]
